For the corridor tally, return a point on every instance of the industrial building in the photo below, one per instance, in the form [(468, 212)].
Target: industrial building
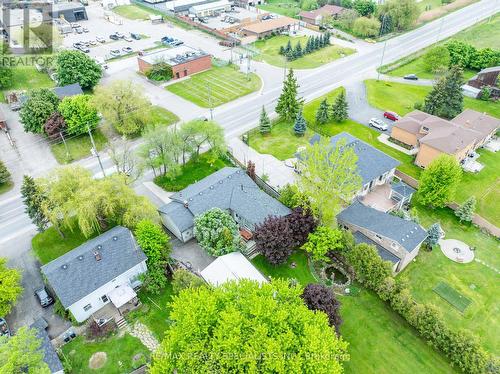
[(210, 9), (184, 60), (71, 12)]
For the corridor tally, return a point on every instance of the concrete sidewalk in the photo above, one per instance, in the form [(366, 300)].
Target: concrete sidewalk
[(279, 174)]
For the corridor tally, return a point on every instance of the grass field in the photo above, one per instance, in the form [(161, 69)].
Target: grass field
[(28, 78), (455, 298), (370, 327), (78, 147), (474, 280), (401, 98), (482, 35), (193, 171), (120, 353), (134, 12), (283, 143), (216, 86), (289, 8), (4, 187), (269, 52)]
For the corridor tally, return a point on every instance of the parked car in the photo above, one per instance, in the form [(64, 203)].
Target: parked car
[(84, 49), (93, 42), (127, 50), (77, 45), (127, 39), (119, 34), (411, 77), (79, 30), (75, 25), (100, 40), (167, 39), (43, 297), (115, 52), (391, 115), (85, 30), (378, 124), (4, 328), (135, 36), (114, 37), (176, 42)]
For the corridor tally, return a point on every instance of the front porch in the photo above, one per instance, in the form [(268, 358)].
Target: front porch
[(122, 300)]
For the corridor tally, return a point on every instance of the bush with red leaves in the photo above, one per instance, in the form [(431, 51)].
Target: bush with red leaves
[(320, 297)]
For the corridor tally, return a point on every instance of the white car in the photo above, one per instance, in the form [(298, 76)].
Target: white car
[(127, 39), (115, 52), (93, 42), (378, 124), (127, 49), (100, 40)]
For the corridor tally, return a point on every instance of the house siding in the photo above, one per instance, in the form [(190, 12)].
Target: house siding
[(181, 70), (404, 136), (427, 154), (94, 298)]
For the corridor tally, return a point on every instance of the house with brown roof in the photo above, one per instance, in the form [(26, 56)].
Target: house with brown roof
[(315, 17), (488, 77), (433, 135), (262, 28)]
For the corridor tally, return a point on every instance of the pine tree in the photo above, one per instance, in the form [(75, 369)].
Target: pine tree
[(466, 211), (322, 114), (298, 50), (34, 198), (327, 36), (340, 108), (288, 104), (316, 42), (308, 46), (300, 125), (288, 47), (264, 122), (433, 234), (446, 97), (4, 174), (282, 50)]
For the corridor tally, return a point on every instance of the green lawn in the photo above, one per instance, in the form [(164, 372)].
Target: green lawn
[(474, 280), (78, 147), (216, 86), (482, 35), (289, 8), (452, 296), (134, 12), (193, 171), (283, 143), (28, 78), (120, 352), (401, 97), (379, 340), (4, 187), (154, 312), (269, 52), (162, 117)]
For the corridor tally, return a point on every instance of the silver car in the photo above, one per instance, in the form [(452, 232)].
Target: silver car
[(378, 124)]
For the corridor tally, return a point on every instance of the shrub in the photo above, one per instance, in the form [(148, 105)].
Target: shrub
[(79, 114), (183, 279), (366, 27), (54, 126), (322, 241), (320, 297), (4, 174), (160, 72), (274, 239), (37, 109)]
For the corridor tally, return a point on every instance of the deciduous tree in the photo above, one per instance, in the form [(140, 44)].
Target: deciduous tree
[(183, 279), (217, 232), (466, 211), (280, 333), (320, 297), (322, 241), (55, 126), (329, 178), (125, 159), (77, 67), (366, 27), (198, 133), (274, 239), (123, 105), (437, 59), (34, 199), (302, 223), (79, 114), (403, 13), (10, 287), (264, 122), (22, 353), (41, 104), (5, 77), (288, 104), (446, 98), (439, 181), (369, 267), (364, 7), (340, 108)]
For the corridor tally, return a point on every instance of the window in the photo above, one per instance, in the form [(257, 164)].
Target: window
[(104, 298), (87, 307), (378, 237), (425, 128)]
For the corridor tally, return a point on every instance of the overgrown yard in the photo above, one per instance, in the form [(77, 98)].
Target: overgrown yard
[(474, 280), (28, 78), (283, 143), (77, 147), (216, 86), (269, 52), (194, 170), (401, 98), (379, 340), (122, 355)]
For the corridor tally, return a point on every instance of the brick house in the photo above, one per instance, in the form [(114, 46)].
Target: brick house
[(433, 135), (184, 61)]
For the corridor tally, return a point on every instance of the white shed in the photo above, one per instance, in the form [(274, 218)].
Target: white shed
[(233, 266)]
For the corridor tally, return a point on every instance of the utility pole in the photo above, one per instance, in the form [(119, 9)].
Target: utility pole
[(68, 156), (94, 150), (381, 61), (209, 90)]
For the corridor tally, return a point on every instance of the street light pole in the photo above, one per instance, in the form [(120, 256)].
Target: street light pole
[(94, 150)]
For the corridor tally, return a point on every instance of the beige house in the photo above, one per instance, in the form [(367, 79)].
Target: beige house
[(433, 135)]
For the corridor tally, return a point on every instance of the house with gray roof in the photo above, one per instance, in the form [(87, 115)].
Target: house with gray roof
[(230, 189), (102, 271), (397, 240), (50, 356), (68, 91), (380, 189)]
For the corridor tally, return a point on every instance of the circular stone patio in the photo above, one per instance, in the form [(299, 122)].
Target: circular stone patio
[(456, 250)]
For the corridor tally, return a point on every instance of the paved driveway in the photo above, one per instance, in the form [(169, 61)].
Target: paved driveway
[(27, 308)]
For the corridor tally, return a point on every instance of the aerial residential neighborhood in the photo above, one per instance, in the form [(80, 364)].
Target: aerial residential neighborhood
[(250, 186)]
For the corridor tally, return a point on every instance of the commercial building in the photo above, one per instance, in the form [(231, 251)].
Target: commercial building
[(210, 9), (184, 60), (71, 11), (266, 27)]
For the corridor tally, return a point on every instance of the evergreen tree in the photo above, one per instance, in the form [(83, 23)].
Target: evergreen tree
[(340, 108), (316, 42), (34, 198), (326, 39), (282, 50), (288, 103), (433, 234), (4, 174), (446, 98), (308, 46), (288, 47), (298, 50), (264, 122), (322, 114), (466, 211), (300, 125)]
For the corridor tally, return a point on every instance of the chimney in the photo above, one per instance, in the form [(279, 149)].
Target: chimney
[(186, 204), (97, 256)]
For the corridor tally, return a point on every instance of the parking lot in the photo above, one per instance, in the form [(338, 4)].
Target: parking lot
[(229, 19)]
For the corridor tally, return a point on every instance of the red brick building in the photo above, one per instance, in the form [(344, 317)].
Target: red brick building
[(184, 60)]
